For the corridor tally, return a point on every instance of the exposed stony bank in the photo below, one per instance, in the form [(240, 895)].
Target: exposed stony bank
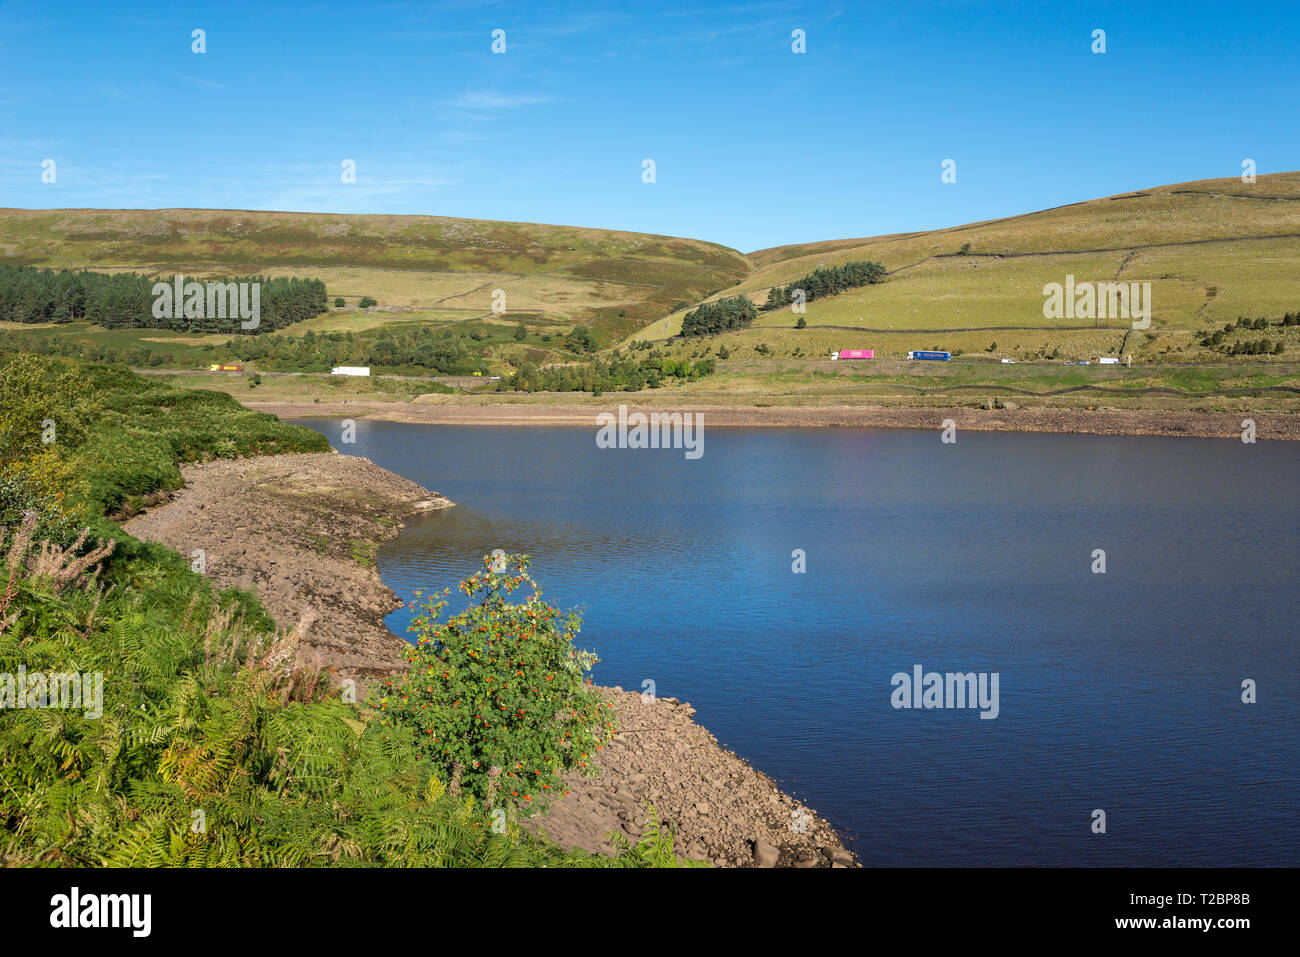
[(301, 531), (994, 416), (721, 809)]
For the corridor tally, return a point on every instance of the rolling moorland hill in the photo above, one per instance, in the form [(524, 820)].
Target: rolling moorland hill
[(415, 266), (1212, 250)]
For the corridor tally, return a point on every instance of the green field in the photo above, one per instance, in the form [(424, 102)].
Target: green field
[(1212, 250)]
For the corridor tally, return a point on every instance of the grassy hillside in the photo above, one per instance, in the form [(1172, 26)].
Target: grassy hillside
[(415, 266), (1212, 250)]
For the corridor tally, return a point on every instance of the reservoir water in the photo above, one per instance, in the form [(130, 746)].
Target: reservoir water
[(1119, 691)]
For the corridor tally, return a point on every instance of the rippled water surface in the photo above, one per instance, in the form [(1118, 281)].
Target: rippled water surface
[(1119, 691)]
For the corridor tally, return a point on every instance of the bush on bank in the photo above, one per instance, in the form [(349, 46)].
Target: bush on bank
[(497, 697)]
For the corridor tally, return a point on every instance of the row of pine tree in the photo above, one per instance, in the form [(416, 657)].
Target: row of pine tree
[(126, 300)]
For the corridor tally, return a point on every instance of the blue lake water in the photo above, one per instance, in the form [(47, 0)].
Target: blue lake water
[(1119, 691)]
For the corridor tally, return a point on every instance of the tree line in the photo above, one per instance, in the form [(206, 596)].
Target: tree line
[(418, 348), (826, 282), (449, 351), (1216, 339), (721, 315), (127, 300), (620, 374), (738, 312)]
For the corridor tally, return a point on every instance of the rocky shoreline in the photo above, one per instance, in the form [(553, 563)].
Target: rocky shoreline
[(720, 808), (301, 531), (998, 416)]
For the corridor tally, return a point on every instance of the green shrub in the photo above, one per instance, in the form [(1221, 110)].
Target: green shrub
[(124, 434), (47, 487), (581, 340), (118, 463), (45, 402), (499, 685)]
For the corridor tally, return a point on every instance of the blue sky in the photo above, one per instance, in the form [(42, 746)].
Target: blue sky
[(754, 145)]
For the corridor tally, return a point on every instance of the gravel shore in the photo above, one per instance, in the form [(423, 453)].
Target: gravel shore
[(444, 410), (301, 532)]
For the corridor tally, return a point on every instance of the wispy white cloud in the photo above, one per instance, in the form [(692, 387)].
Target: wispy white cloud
[(24, 147), (489, 100), (202, 81), (460, 136), (380, 186)]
